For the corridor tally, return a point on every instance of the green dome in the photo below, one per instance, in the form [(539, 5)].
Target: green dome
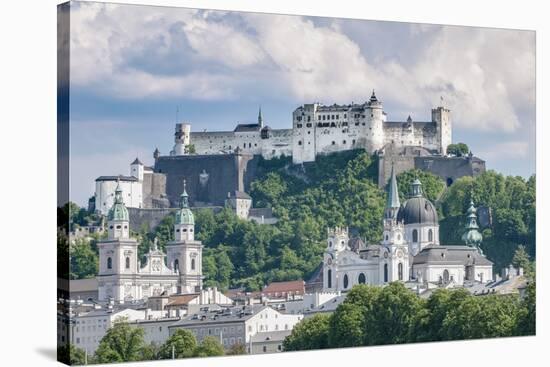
[(184, 215), (118, 211)]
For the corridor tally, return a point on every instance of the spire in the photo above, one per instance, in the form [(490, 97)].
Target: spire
[(260, 118), (373, 97), (118, 211), (392, 201), (472, 237), (184, 198), (118, 192)]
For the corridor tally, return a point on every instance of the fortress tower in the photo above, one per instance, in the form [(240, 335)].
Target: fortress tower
[(375, 122), (441, 116), (182, 139)]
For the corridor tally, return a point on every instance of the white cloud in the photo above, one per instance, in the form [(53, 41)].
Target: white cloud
[(486, 75), (506, 150)]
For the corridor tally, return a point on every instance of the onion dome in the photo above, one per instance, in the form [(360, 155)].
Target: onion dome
[(417, 210), (184, 215), (118, 211), (472, 237)]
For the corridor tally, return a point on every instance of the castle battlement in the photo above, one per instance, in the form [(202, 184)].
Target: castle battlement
[(319, 129)]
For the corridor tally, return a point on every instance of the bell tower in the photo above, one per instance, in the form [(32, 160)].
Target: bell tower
[(184, 254)]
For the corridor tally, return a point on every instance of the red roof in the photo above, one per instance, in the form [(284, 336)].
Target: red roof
[(292, 287)]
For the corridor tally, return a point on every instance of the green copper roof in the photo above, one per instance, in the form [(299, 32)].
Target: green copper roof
[(184, 215), (392, 200), (472, 237), (118, 211)]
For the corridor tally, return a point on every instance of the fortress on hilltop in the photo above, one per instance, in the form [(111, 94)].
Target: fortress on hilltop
[(318, 129), (219, 166)]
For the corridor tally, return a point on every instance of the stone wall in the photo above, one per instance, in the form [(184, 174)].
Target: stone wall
[(209, 177), (449, 169), (154, 190)]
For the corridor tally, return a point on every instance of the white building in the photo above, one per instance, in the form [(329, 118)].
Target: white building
[(132, 186), (236, 325), (319, 129), (121, 276), (89, 328), (409, 250)]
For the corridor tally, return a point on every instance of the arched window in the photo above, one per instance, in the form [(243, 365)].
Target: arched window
[(346, 281), (127, 263), (192, 264), (176, 264), (415, 235), (430, 235), (109, 263), (385, 273), (446, 275), (329, 278), (400, 271), (362, 279)]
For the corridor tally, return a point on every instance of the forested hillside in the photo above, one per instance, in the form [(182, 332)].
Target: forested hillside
[(339, 189)]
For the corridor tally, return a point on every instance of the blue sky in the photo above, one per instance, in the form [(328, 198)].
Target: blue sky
[(133, 66)]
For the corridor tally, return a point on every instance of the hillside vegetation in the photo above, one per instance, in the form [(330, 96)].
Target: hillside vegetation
[(337, 190)]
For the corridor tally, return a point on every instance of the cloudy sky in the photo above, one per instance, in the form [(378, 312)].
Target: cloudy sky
[(136, 69)]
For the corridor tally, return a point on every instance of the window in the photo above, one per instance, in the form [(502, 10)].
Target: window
[(118, 226), (344, 142), (264, 349), (192, 264), (362, 279), (127, 263), (415, 235), (329, 278), (333, 142), (346, 281), (400, 271), (445, 275), (176, 264), (299, 142), (430, 235), (109, 263), (385, 273)]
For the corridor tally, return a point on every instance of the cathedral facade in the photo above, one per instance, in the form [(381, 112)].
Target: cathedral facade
[(123, 278), (320, 129), (409, 251)]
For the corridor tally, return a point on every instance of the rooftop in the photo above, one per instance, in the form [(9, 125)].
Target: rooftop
[(228, 314), (279, 335), (115, 178)]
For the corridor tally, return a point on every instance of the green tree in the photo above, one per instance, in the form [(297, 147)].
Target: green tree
[(310, 333), (83, 259), (71, 355), (482, 317), (432, 186), (182, 343), (121, 343), (527, 318), (521, 259), (347, 326), (394, 316), (210, 346), (459, 149)]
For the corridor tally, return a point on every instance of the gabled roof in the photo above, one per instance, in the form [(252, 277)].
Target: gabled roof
[(181, 300), (464, 255), (294, 286)]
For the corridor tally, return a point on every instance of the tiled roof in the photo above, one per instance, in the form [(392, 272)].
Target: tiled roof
[(294, 286), (181, 300), (246, 128), (279, 335)]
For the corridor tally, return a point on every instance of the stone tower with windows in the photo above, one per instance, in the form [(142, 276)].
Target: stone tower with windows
[(184, 254), (118, 261), (337, 243)]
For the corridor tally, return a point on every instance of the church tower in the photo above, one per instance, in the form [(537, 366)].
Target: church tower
[(472, 237), (394, 256), (337, 242), (184, 253), (118, 261)]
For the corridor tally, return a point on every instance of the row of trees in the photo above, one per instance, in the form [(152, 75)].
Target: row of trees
[(125, 343), (393, 315)]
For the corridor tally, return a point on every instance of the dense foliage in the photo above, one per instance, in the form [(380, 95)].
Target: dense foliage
[(513, 210), (337, 190), (393, 315), (459, 149)]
